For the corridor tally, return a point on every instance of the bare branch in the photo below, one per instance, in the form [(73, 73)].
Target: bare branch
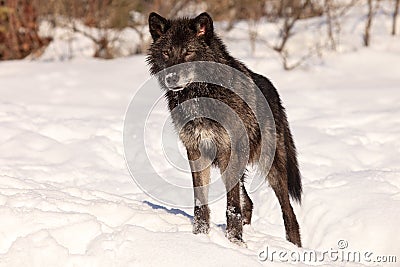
[(395, 13)]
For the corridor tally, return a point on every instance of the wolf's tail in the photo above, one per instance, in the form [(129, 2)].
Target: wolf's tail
[(293, 173)]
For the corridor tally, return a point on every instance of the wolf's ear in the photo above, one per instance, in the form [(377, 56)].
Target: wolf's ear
[(157, 25), (204, 25)]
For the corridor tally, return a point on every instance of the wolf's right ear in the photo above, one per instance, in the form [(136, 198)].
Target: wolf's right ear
[(157, 25)]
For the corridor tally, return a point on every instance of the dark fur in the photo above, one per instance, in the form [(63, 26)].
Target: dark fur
[(185, 40)]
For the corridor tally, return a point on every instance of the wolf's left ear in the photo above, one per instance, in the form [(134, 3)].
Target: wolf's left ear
[(204, 25), (157, 25)]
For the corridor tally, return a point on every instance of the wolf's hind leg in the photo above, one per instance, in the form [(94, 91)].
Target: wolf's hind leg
[(245, 203)]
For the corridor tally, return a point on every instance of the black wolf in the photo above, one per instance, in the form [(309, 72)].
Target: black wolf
[(183, 40)]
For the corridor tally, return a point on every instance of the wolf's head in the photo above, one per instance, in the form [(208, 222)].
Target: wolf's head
[(179, 41)]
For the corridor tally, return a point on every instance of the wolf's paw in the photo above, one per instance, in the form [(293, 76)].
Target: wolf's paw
[(238, 241), (201, 228), (235, 237)]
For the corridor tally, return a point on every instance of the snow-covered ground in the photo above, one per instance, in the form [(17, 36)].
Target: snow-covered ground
[(67, 199)]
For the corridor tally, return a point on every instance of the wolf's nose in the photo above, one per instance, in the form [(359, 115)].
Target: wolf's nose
[(171, 79)]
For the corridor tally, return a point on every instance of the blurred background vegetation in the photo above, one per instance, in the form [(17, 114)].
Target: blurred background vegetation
[(20, 20)]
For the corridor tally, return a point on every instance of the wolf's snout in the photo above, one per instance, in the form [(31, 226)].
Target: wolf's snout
[(171, 80)]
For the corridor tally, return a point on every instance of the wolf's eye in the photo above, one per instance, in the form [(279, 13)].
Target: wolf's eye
[(165, 54), (189, 54)]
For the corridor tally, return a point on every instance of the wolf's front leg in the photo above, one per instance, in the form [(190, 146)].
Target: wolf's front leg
[(201, 179), (232, 172), (234, 220)]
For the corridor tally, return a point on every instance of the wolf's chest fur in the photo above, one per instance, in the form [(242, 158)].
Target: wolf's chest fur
[(204, 133), (208, 122)]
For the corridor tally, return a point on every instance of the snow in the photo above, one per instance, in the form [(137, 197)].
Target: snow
[(67, 198)]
